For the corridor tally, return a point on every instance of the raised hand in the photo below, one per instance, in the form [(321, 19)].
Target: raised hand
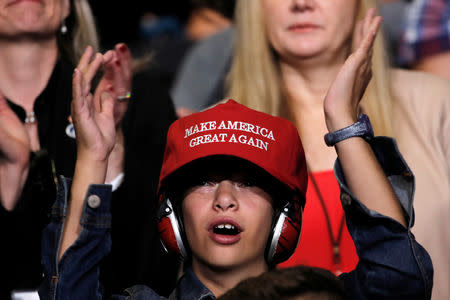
[(344, 95), (14, 155), (96, 136), (368, 183), (93, 122)]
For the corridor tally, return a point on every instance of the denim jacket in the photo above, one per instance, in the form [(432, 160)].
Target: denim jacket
[(392, 265)]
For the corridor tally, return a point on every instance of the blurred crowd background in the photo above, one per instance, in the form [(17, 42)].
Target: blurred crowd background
[(186, 50)]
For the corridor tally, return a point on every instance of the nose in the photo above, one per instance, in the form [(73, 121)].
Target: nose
[(302, 5), (225, 197)]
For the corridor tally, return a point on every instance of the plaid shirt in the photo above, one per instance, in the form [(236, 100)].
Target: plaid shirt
[(427, 31)]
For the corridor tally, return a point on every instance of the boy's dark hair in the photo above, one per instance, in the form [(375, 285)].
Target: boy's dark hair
[(289, 282)]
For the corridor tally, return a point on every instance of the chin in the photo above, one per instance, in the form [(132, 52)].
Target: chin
[(37, 29), (225, 257), (34, 20), (221, 257), (224, 265), (229, 259), (221, 266), (303, 49)]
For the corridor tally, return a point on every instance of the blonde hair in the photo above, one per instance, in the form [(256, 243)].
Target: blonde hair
[(255, 80), (82, 31)]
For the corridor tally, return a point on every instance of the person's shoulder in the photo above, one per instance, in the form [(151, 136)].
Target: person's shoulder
[(216, 42), (412, 86), (422, 98)]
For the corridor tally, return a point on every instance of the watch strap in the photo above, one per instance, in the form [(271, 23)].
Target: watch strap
[(361, 128)]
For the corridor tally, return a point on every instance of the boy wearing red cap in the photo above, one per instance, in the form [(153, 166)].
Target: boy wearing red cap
[(231, 192)]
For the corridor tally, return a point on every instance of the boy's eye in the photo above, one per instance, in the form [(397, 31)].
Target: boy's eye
[(246, 183), (206, 183)]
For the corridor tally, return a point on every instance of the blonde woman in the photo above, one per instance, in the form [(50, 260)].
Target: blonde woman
[(40, 43), (287, 53)]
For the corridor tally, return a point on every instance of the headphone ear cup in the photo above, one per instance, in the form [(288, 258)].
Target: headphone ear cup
[(170, 230), (285, 235)]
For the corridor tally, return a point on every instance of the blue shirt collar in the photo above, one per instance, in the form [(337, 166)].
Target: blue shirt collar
[(190, 287)]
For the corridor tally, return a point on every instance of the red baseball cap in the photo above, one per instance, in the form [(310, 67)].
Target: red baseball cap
[(231, 129)]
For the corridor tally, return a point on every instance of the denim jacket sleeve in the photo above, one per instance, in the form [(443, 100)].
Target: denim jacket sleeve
[(392, 265), (74, 276)]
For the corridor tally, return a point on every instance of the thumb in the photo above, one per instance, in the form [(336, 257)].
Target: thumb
[(107, 104)]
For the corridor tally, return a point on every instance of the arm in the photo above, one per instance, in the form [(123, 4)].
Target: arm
[(391, 264), (94, 125), (341, 109), (77, 239), (194, 89)]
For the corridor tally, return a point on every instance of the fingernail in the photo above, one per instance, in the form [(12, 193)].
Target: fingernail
[(122, 48)]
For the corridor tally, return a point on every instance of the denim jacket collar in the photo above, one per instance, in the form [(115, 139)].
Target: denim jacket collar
[(190, 287)]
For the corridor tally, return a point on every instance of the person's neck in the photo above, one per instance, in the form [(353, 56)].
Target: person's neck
[(25, 69), (306, 84), (219, 280), (307, 81)]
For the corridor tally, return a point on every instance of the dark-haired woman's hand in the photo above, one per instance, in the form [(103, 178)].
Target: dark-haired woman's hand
[(14, 155), (343, 97), (116, 81)]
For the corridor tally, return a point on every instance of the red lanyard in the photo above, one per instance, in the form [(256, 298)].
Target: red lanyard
[(334, 241)]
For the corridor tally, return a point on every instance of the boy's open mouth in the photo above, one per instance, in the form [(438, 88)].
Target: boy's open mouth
[(226, 229)]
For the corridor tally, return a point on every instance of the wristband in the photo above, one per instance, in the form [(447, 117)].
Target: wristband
[(361, 128)]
